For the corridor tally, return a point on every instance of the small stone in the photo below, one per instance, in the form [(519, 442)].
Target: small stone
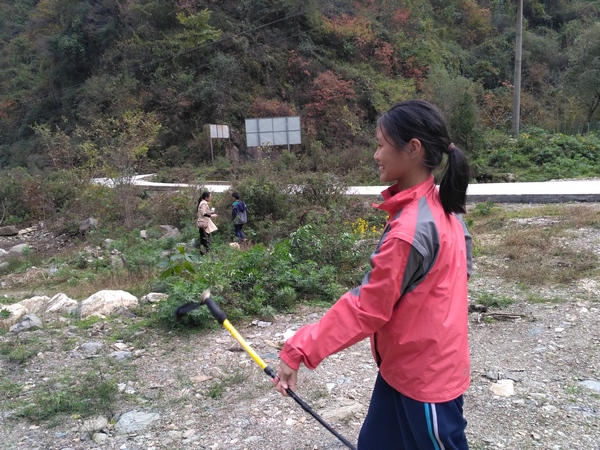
[(503, 388)]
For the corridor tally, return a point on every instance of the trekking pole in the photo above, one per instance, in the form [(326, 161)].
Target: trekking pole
[(205, 299)]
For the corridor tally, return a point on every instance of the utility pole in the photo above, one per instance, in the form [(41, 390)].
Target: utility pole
[(516, 107)]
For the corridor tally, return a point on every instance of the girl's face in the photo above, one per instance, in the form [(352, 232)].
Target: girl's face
[(402, 165), (391, 160), (209, 198)]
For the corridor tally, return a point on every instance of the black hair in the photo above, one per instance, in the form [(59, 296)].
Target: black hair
[(204, 196), (418, 119), (236, 195)]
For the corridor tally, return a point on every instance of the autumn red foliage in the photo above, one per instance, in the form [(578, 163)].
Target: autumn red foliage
[(332, 107)]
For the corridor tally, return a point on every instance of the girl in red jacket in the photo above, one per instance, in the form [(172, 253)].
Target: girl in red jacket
[(413, 303)]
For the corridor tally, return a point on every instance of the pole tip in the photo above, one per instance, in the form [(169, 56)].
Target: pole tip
[(205, 295)]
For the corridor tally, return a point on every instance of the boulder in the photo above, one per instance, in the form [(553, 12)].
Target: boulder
[(9, 230), (27, 322), (94, 424), (154, 297), (169, 231), (19, 249), (16, 311), (106, 302), (61, 303), (134, 421), (88, 224), (36, 305)]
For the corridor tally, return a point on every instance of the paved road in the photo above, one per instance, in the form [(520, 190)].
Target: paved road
[(534, 192), (542, 192)]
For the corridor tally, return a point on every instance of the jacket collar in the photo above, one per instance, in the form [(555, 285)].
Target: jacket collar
[(394, 200)]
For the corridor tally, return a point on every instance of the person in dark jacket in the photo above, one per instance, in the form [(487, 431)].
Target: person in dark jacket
[(239, 216)]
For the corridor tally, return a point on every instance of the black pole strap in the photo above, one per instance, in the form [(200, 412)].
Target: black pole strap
[(215, 310)]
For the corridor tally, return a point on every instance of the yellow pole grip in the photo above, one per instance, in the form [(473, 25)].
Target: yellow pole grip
[(244, 344)]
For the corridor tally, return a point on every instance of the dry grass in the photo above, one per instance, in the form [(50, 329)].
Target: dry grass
[(126, 280), (537, 244)]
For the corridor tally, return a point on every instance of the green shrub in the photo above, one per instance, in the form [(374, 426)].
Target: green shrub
[(14, 208), (284, 298), (493, 300), (172, 208), (538, 155)]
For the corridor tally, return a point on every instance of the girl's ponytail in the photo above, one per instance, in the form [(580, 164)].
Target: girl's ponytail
[(453, 187)]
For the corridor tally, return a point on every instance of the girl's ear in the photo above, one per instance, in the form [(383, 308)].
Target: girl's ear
[(414, 147)]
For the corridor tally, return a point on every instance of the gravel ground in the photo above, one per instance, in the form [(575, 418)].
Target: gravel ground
[(207, 393)]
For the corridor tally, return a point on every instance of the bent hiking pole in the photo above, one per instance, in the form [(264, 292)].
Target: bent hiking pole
[(205, 299)]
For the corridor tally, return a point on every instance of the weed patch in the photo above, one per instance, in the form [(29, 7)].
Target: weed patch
[(16, 351), (84, 395), (492, 300)]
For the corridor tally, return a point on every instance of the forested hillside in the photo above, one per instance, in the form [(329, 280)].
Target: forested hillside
[(80, 80)]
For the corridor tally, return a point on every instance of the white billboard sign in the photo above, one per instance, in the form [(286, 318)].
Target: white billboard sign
[(273, 131), (219, 131)]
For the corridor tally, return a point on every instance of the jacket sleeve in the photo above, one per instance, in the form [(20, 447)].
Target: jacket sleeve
[(469, 245), (357, 314)]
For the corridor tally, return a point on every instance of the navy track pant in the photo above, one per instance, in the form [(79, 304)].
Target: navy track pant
[(396, 422)]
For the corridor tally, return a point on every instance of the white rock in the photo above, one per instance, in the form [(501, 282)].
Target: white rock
[(550, 408), (107, 302), (94, 424), (61, 303), (288, 334), (99, 438), (16, 312), (347, 409), (154, 297), (133, 421), (503, 388), (35, 304)]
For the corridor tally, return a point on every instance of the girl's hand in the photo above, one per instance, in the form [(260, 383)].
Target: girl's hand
[(286, 377), (214, 215)]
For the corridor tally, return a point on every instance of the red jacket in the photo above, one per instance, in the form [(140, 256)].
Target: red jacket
[(412, 304)]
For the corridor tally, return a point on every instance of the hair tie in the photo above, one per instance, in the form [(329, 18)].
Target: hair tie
[(450, 148)]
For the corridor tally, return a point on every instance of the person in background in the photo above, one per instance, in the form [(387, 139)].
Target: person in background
[(413, 303), (204, 223), (239, 216)]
